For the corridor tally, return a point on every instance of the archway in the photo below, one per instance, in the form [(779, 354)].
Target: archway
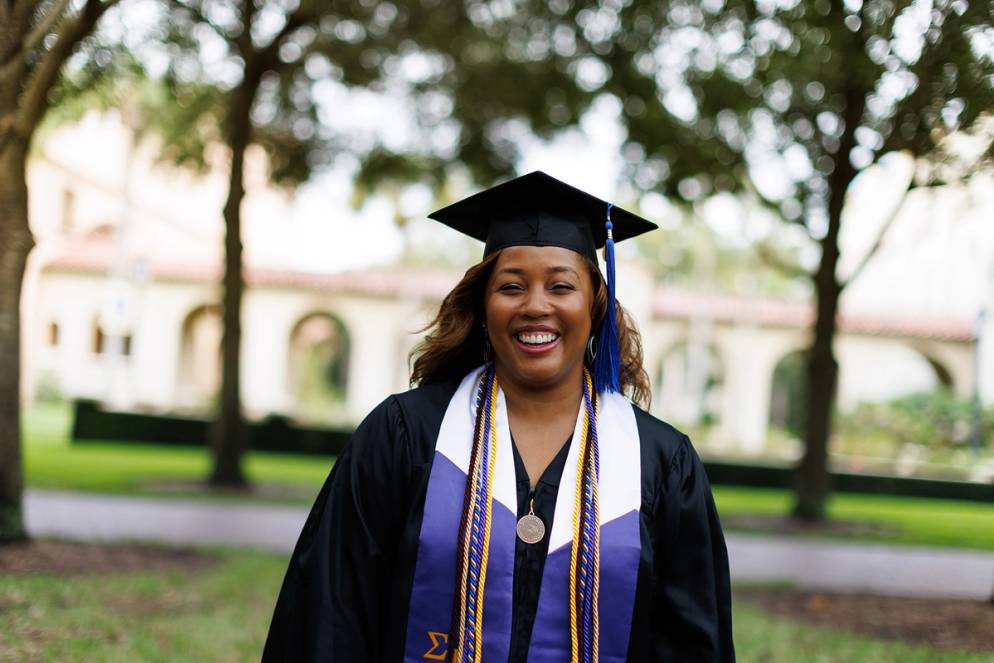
[(689, 384), (942, 374), (199, 375), (317, 369), (788, 405)]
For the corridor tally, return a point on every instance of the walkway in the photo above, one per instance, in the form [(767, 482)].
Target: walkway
[(829, 565)]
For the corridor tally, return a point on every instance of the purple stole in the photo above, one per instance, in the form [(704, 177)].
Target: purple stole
[(555, 633)]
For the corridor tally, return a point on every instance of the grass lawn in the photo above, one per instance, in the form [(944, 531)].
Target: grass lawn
[(917, 521), (51, 461), (222, 614), (209, 615)]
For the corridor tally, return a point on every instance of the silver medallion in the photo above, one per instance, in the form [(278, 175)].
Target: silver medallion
[(530, 527)]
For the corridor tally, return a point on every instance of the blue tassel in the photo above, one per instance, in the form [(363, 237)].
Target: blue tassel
[(607, 364)]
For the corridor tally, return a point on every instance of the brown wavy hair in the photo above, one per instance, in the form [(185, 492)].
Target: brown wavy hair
[(453, 345)]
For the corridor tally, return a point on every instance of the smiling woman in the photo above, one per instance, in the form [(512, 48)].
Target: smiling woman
[(441, 533), (456, 342)]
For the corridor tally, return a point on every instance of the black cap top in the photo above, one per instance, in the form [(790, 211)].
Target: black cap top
[(538, 210)]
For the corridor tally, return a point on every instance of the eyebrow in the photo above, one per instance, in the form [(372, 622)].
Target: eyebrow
[(559, 269)]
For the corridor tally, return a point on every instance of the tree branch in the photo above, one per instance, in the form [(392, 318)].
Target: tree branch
[(750, 188), (768, 255), (300, 17), (243, 40), (883, 230), (46, 25), (33, 38), (884, 227), (34, 101), (200, 17)]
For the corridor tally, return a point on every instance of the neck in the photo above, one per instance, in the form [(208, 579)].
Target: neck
[(526, 400)]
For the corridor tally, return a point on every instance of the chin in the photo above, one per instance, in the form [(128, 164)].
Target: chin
[(540, 372)]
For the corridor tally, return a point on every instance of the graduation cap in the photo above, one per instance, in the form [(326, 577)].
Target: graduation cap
[(538, 210)]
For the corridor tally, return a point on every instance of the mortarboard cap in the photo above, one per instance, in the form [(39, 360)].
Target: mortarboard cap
[(538, 210)]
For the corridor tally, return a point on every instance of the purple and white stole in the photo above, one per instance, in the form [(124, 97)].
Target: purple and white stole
[(587, 565)]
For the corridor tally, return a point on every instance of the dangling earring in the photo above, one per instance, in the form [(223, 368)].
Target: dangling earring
[(591, 350), (486, 345)]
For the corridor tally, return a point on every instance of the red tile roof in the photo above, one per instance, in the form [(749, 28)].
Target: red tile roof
[(767, 311), (94, 253)]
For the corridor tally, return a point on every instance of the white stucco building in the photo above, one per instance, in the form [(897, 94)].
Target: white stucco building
[(908, 323)]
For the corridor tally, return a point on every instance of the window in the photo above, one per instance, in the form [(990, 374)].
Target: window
[(101, 345)]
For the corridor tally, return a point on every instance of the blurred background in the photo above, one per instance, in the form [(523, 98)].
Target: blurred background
[(215, 260)]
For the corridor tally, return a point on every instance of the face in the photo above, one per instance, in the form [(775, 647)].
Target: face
[(538, 305)]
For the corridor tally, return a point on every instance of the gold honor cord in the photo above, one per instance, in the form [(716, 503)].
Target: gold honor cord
[(459, 651), (575, 551), (488, 512)]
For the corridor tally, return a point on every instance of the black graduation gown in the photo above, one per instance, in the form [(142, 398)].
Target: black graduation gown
[(346, 592)]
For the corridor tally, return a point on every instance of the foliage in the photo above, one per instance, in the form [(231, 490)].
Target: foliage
[(765, 98), (726, 90), (694, 256), (47, 388), (936, 418), (311, 52)]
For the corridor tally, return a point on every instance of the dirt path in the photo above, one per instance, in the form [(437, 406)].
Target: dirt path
[(941, 623)]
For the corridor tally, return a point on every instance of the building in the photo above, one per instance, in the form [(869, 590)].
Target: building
[(121, 305)]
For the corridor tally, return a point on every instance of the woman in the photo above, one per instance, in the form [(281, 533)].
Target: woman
[(515, 506)]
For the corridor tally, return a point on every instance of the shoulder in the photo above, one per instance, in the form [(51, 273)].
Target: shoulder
[(664, 446), (426, 401), (411, 409), (398, 432), (411, 419)]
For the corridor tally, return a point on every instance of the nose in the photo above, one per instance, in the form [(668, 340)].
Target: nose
[(536, 304)]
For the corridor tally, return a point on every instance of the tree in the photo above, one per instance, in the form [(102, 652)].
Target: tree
[(263, 48), (784, 102), (788, 102), (280, 53), (36, 39)]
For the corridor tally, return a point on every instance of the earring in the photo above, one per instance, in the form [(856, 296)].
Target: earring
[(486, 345), (591, 350)]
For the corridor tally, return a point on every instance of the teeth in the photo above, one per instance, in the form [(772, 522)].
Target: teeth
[(537, 338)]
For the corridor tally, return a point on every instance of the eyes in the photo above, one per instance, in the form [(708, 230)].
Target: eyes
[(558, 286)]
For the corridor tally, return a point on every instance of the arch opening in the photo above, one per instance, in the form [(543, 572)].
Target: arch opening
[(689, 385), (317, 369), (199, 375)]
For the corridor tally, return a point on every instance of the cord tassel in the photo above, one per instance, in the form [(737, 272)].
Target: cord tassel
[(607, 365)]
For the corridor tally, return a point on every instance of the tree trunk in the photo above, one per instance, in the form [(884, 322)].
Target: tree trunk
[(812, 482), (15, 244), (228, 433)]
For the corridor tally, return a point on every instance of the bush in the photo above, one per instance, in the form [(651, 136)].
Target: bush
[(47, 389), (934, 419)]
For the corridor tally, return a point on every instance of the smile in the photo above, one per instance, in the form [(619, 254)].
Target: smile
[(536, 343), (536, 338)]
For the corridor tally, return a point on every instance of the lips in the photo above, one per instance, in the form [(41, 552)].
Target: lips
[(536, 340)]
